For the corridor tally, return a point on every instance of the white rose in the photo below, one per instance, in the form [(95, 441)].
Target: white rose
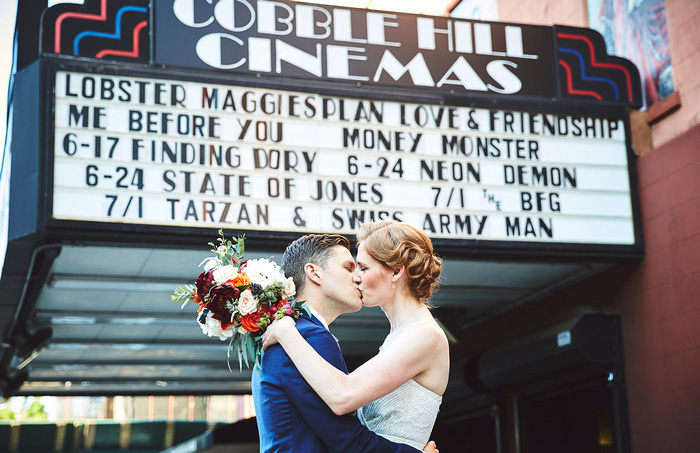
[(247, 303), (213, 328), (224, 273), (262, 271), (289, 288)]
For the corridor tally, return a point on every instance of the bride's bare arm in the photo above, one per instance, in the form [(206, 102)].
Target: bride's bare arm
[(405, 357)]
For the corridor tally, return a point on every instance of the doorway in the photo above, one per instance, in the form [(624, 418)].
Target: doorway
[(580, 420)]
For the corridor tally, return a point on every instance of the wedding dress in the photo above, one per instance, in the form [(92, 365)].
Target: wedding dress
[(405, 416)]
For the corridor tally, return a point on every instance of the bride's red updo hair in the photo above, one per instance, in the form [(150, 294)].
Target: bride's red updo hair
[(397, 244)]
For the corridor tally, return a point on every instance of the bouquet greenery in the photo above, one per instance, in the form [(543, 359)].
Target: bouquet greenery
[(238, 298)]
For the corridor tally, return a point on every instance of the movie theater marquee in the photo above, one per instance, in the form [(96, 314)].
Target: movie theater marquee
[(186, 153), (276, 38), (273, 118)]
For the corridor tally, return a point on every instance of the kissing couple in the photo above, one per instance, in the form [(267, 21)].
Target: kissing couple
[(305, 400)]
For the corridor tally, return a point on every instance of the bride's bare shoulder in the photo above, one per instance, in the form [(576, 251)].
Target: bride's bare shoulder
[(427, 332)]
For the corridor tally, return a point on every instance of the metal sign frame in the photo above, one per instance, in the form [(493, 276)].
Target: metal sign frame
[(185, 236)]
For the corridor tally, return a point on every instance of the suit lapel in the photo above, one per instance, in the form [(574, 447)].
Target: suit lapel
[(316, 321)]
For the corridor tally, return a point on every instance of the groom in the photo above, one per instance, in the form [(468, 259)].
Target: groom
[(291, 416)]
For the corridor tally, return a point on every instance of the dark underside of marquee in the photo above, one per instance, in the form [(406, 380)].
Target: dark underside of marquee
[(115, 329)]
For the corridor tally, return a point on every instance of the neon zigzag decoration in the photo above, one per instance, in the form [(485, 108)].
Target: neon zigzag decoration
[(570, 84), (59, 22), (118, 29), (125, 53), (595, 63), (583, 72)]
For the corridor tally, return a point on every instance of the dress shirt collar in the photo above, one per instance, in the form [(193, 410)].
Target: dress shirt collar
[(318, 316)]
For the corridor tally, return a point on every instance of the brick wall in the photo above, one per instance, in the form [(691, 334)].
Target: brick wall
[(660, 303), (544, 12), (683, 21)]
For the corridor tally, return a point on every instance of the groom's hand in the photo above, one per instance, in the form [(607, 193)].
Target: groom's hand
[(431, 447)]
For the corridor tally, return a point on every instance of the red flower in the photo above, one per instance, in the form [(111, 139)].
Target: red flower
[(204, 283), (250, 322), (219, 296), (225, 323)]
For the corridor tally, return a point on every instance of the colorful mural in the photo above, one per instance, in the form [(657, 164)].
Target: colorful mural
[(637, 30)]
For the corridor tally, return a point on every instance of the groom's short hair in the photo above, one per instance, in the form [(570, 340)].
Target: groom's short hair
[(312, 248)]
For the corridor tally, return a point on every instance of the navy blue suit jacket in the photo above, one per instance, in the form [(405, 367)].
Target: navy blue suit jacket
[(293, 418)]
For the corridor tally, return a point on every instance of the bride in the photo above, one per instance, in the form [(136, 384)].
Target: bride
[(397, 393)]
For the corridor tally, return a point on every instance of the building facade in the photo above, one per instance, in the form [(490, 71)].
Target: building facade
[(577, 337), (658, 297)]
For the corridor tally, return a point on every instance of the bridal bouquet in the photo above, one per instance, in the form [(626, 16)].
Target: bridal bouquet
[(239, 298)]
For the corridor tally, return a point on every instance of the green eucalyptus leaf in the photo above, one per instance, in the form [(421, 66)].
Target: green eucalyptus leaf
[(251, 347), (245, 352), (240, 358), (183, 293)]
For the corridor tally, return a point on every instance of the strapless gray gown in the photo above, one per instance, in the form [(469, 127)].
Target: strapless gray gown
[(405, 416)]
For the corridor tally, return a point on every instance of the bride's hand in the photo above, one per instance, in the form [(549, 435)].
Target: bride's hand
[(430, 447), (271, 335)]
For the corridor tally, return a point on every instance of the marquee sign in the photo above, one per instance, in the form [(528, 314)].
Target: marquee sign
[(99, 29), (187, 153), (276, 117), (357, 45), (299, 43)]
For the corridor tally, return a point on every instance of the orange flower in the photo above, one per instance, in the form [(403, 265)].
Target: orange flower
[(241, 280), (250, 322)]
